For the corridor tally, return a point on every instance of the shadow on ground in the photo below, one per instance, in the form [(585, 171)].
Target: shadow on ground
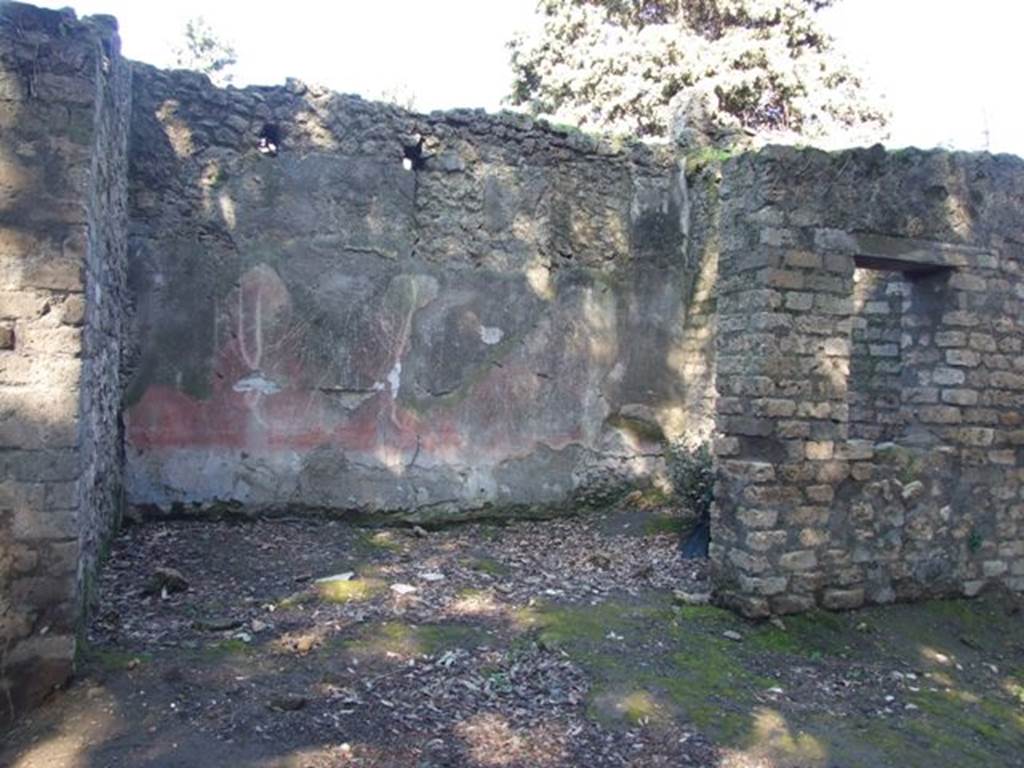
[(536, 644)]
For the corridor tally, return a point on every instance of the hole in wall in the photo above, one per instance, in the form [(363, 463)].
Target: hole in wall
[(412, 156), (270, 139)]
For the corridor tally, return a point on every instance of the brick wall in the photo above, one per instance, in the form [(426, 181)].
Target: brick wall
[(870, 379), (63, 112)]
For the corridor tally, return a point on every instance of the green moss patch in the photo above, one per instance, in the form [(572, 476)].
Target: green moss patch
[(352, 591), (653, 664), (488, 565), (400, 641)]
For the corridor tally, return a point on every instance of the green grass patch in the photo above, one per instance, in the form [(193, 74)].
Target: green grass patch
[(660, 525), (112, 659), (488, 565)]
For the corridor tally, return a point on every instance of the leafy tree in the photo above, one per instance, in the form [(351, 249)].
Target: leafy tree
[(205, 51), (759, 66)]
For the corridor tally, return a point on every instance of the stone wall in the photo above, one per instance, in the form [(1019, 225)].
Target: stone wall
[(869, 430), (63, 130), (344, 306), (322, 303)]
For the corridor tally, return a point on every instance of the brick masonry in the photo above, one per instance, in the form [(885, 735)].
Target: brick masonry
[(63, 131), (870, 379)]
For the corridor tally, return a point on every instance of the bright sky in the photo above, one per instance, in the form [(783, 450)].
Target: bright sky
[(950, 68)]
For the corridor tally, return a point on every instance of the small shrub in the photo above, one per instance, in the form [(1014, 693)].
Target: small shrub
[(693, 477)]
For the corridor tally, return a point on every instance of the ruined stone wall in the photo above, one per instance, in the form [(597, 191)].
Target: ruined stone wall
[(63, 120), (869, 430), (341, 305)]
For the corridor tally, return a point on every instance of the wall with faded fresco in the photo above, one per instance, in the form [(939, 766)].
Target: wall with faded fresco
[(342, 305)]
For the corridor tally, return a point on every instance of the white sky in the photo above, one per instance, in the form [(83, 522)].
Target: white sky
[(950, 68)]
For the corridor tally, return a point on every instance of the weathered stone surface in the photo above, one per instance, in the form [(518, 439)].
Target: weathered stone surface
[(517, 325), (448, 315), (893, 472), (63, 209)]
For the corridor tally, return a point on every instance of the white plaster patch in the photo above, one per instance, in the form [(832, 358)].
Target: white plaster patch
[(256, 382), (490, 335), (227, 209), (395, 378)]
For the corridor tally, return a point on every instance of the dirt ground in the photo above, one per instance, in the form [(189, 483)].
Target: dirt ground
[(536, 644)]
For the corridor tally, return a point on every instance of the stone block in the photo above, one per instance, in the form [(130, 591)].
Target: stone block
[(960, 396), (748, 426), (876, 308), (832, 471), (963, 281), (726, 446), (40, 523), (785, 279), (763, 541), (855, 450), (757, 518), (842, 599), (982, 342), (773, 408), (784, 604), (763, 586), (798, 301), (883, 350), (803, 260), (18, 305), (807, 516), (940, 414), (814, 410), (973, 588), (748, 562), (57, 274), (951, 338), (819, 451), (823, 494), (72, 310), (833, 305), (801, 560), (1006, 380), (813, 537), (993, 568), (749, 471), (963, 358), (42, 592), (1004, 458), (961, 318), (975, 436)]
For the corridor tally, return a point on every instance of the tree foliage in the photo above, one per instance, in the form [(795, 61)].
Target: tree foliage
[(766, 66), (205, 51)]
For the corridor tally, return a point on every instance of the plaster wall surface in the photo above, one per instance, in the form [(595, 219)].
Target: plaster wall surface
[(340, 305)]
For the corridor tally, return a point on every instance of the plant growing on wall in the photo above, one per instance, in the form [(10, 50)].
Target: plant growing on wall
[(627, 66), (693, 477), (206, 51), (692, 472)]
